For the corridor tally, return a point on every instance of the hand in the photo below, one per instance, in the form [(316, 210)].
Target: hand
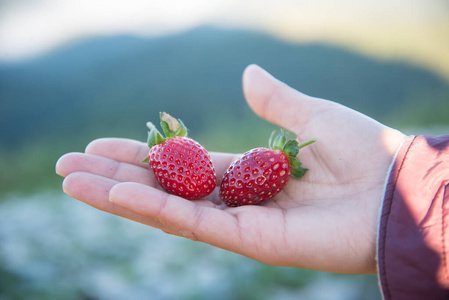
[(326, 221)]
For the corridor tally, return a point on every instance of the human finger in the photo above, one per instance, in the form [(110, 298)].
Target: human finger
[(119, 149), (275, 101), (132, 152), (190, 219), (103, 166), (94, 191)]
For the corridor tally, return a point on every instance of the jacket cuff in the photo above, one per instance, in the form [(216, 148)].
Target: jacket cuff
[(413, 240)]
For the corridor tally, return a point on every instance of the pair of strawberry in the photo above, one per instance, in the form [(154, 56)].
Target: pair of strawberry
[(184, 168)]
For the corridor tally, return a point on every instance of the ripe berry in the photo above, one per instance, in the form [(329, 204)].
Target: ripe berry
[(180, 165), (262, 173)]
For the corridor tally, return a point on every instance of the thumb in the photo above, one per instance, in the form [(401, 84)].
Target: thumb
[(275, 101)]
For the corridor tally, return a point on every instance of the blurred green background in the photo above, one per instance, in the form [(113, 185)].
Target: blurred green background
[(72, 72)]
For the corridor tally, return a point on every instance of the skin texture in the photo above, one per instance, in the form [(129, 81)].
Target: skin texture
[(325, 221)]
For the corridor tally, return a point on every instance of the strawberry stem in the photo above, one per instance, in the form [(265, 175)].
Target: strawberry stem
[(306, 143)]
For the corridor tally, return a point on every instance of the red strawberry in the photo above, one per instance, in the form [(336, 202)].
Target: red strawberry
[(180, 165), (261, 173)]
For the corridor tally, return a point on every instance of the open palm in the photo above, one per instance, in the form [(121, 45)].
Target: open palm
[(327, 220)]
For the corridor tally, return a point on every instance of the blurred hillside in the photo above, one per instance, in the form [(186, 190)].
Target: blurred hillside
[(111, 86)]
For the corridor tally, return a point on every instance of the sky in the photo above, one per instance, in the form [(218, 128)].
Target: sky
[(413, 30)]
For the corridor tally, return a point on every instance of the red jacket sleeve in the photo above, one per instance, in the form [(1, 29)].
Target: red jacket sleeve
[(413, 242)]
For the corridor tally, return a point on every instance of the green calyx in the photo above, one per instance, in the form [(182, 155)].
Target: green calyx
[(172, 127), (290, 147)]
